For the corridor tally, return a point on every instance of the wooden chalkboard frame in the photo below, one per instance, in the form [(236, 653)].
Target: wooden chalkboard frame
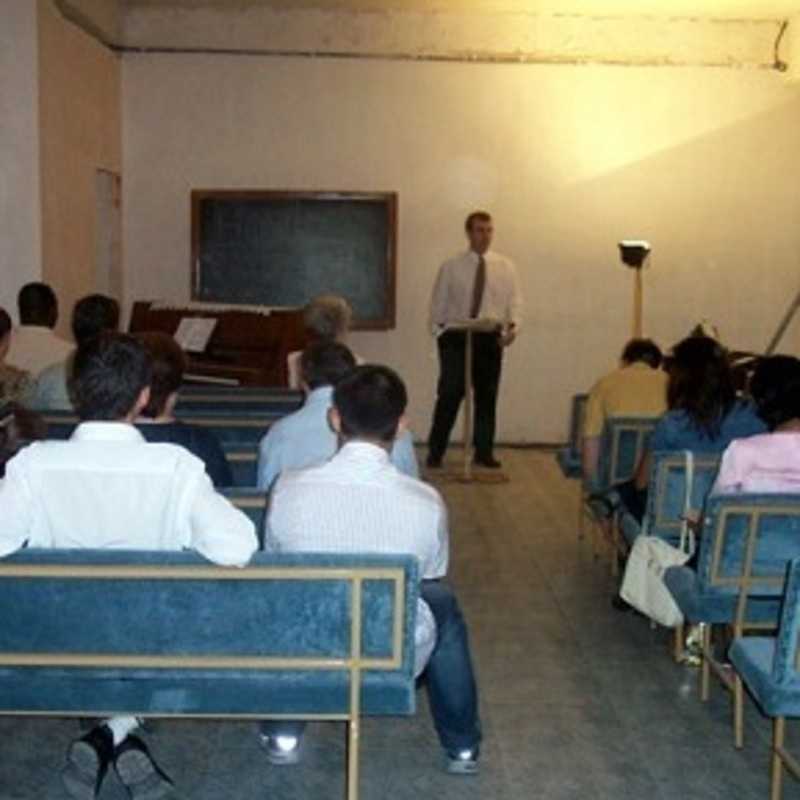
[(386, 322)]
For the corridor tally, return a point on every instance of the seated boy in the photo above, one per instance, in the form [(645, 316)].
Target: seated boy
[(305, 438), (108, 488), (358, 502)]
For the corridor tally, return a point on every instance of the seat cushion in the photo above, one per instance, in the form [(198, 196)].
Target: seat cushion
[(630, 527), (699, 604), (753, 659)]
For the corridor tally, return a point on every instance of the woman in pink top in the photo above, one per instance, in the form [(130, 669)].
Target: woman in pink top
[(770, 462)]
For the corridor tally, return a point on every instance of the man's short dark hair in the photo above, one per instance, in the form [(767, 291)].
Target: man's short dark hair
[(38, 305), (645, 350), (108, 375), (167, 365), (325, 364), (371, 401), (92, 315), (476, 216), (5, 323)]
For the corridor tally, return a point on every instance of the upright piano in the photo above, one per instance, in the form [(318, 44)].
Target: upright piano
[(247, 347)]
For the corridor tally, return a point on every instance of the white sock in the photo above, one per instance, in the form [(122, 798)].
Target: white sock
[(120, 728)]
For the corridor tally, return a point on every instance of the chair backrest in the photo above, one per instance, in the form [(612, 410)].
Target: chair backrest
[(576, 417), (747, 543), (243, 461), (667, 493), (252, 502), (786, 665), (163, 612), (622, 445)]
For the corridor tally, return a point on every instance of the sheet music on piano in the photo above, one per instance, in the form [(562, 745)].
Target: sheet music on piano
[(194, 333)]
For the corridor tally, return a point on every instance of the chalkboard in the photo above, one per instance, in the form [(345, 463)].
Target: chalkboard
[(283, 248)]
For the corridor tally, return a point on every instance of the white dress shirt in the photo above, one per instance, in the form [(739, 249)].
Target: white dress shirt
[(359, 503), (34, 348), (305, 439), (452, 293), (51, 391), (108, 488)]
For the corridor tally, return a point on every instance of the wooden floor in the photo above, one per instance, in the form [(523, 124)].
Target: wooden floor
[(578, 701)]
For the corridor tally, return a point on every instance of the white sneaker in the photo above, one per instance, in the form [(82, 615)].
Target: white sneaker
[(282, 751), (463, 762)]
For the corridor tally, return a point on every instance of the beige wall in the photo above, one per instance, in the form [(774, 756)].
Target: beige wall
[(80, 132), (702, 162), (20, 239)]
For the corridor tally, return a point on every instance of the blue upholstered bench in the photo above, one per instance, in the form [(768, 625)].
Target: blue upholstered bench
[(745, 549), (273, 401), (243, 428), (155, 634), (243, 461), (769, 668), (568, 458)]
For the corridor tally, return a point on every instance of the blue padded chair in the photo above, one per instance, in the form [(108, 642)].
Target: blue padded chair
[(569, 457), (252, 502), (159, 634), (667, 494), (745, 548), (769, 668), (243, 461), (622, 444)]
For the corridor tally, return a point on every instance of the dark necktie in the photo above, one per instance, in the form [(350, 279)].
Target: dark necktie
[(478, 288)]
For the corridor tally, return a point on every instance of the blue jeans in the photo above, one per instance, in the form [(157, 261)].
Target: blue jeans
[(449, 677)]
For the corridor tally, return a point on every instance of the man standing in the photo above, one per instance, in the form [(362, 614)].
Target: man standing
[(478, 284)]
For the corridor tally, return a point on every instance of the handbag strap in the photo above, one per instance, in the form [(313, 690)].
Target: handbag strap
[(687, 543)]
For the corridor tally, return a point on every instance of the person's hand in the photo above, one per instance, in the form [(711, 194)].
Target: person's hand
[(508, 336)]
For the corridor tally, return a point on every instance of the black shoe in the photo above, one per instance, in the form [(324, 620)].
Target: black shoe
[(490, 462), (433, 462), (87, 763), (140, 775)]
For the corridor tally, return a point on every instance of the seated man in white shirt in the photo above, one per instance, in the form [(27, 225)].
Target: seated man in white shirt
[(91, 316), (305, 438), (108, 488), (34, 345), (358, 502)]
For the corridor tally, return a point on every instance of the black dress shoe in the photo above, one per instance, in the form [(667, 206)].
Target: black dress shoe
[(490, 462), (87, 763), (140, 775), (433, 462)]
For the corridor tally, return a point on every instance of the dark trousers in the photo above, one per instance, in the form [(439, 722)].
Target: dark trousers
[(449, 677), (487, 360)]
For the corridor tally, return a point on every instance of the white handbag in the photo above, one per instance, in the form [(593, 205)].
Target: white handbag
[(643, 586)]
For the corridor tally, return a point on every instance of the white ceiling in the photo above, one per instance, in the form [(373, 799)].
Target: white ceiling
[(727, 9)]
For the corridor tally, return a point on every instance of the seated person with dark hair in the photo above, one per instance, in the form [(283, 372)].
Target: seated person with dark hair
[(90, 317), (34, 345), (769, 462), (106, 487), (704, 415), (357, 502), (305, 438), (15, 384), (157, 421), (637, 388)]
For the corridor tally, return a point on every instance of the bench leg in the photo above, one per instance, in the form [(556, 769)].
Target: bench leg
[(738, 712), (677, 643), (705, 666), (353, 740), (778, 731)]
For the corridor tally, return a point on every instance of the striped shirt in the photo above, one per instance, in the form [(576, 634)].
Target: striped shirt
[(358, 502)]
